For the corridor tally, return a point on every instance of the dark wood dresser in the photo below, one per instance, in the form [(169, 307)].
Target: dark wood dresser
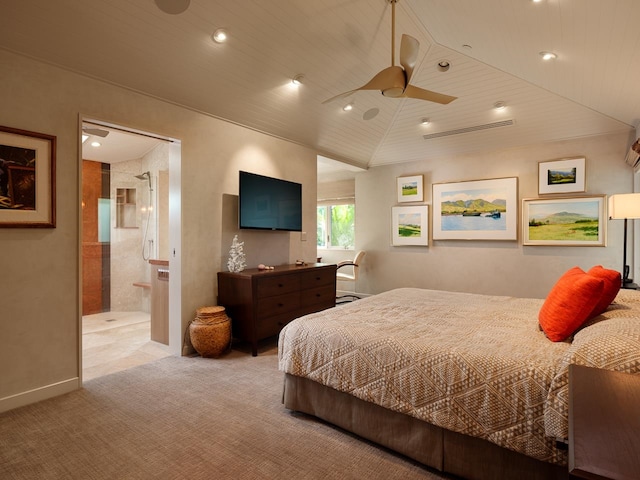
[(261, 302)]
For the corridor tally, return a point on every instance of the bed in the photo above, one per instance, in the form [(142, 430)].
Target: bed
[(465, 383)]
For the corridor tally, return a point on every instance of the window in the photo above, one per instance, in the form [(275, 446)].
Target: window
[(336, 226)]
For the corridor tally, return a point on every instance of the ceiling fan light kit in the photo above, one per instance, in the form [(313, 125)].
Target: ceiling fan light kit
[(394, 81)]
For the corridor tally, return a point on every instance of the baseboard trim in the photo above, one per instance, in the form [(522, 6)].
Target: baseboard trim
[(39, 394)]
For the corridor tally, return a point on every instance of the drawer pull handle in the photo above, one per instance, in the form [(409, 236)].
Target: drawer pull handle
[(281, 304)]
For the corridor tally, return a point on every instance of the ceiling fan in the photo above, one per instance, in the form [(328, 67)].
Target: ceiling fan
[(393, 81)]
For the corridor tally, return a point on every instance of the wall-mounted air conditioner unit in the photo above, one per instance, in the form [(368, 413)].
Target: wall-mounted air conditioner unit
[(633, 156)]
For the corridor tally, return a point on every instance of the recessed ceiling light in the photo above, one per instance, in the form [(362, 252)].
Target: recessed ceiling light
[(536, 1), (424, 121), (548, 55), (499, 105), (444, 65), (95, 144), (348, 107), (297, 80), (220, 35)]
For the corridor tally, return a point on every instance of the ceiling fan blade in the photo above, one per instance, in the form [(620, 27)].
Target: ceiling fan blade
[(428, 95), (409, 48), (342, 95), (390, 79), (98, 132)]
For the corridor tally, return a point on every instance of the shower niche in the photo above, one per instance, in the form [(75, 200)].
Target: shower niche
[(126, 208)]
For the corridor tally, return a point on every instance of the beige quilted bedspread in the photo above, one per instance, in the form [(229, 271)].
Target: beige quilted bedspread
[(474, 364)]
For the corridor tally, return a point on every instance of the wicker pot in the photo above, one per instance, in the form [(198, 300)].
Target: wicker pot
[(210, 331)]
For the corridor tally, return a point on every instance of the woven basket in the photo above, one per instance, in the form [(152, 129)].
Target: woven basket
[(210, 331)]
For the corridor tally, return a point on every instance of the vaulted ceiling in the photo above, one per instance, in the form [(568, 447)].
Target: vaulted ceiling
[(492, 47)]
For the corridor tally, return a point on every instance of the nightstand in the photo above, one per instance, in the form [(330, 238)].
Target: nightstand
[(604, 424)]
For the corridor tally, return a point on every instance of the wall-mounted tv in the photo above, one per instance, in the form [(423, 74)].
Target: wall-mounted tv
[(269, 203)]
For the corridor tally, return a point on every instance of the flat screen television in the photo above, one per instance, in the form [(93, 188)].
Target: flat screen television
[(269, 203)]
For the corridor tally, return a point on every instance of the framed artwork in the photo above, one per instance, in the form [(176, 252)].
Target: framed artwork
[(27, 179), (476, 210), (410, 225), (410, 189), (561, 176), (576, 221)]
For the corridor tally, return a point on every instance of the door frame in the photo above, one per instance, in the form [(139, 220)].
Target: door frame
[(175, 234)]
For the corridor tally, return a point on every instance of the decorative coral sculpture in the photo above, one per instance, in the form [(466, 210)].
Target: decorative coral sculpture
[(236, 261)]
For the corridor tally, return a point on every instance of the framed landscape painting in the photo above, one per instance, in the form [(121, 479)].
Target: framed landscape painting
[(578, 221), (476, 210), (410, 225), (410, 189), (561, 176), (27, 179)]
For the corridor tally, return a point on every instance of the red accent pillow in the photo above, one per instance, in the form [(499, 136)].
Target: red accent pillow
[(569, 304), (612, 283)]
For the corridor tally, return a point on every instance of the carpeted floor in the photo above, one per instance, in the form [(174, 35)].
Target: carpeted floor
[(190, 418)]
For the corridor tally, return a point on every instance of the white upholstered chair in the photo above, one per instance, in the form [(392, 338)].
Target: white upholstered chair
[(349, 273)]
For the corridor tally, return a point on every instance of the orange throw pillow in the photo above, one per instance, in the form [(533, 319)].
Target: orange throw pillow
[(569, 304), (612, 283)]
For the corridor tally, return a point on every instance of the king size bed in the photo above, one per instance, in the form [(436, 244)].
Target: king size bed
[(465, 383)]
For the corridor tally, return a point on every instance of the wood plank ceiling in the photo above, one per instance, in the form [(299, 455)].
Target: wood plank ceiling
[(493, 47)]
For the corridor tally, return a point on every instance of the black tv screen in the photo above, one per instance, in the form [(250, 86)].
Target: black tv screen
[(269, 203)]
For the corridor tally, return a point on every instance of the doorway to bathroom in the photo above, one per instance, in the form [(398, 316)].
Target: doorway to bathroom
[(125, 241)]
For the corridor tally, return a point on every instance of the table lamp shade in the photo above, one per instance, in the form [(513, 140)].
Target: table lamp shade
[(624, 205)]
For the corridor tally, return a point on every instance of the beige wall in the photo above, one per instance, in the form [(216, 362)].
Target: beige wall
[(39, 288), (492, 267)]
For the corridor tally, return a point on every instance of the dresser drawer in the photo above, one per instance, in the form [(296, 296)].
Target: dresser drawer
[(270, 306), (269, 286), (268, 327), (325, 295), (320, 276)]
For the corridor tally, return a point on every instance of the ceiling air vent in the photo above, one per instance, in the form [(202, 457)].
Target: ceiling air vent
[(504, 123)]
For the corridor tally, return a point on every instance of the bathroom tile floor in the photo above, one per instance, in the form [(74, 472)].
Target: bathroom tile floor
[(115, 341)]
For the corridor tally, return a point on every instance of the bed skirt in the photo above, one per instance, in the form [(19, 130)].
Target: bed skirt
[(444, 450)]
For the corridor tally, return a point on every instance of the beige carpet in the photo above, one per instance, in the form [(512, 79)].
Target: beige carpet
[(190, 418)]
